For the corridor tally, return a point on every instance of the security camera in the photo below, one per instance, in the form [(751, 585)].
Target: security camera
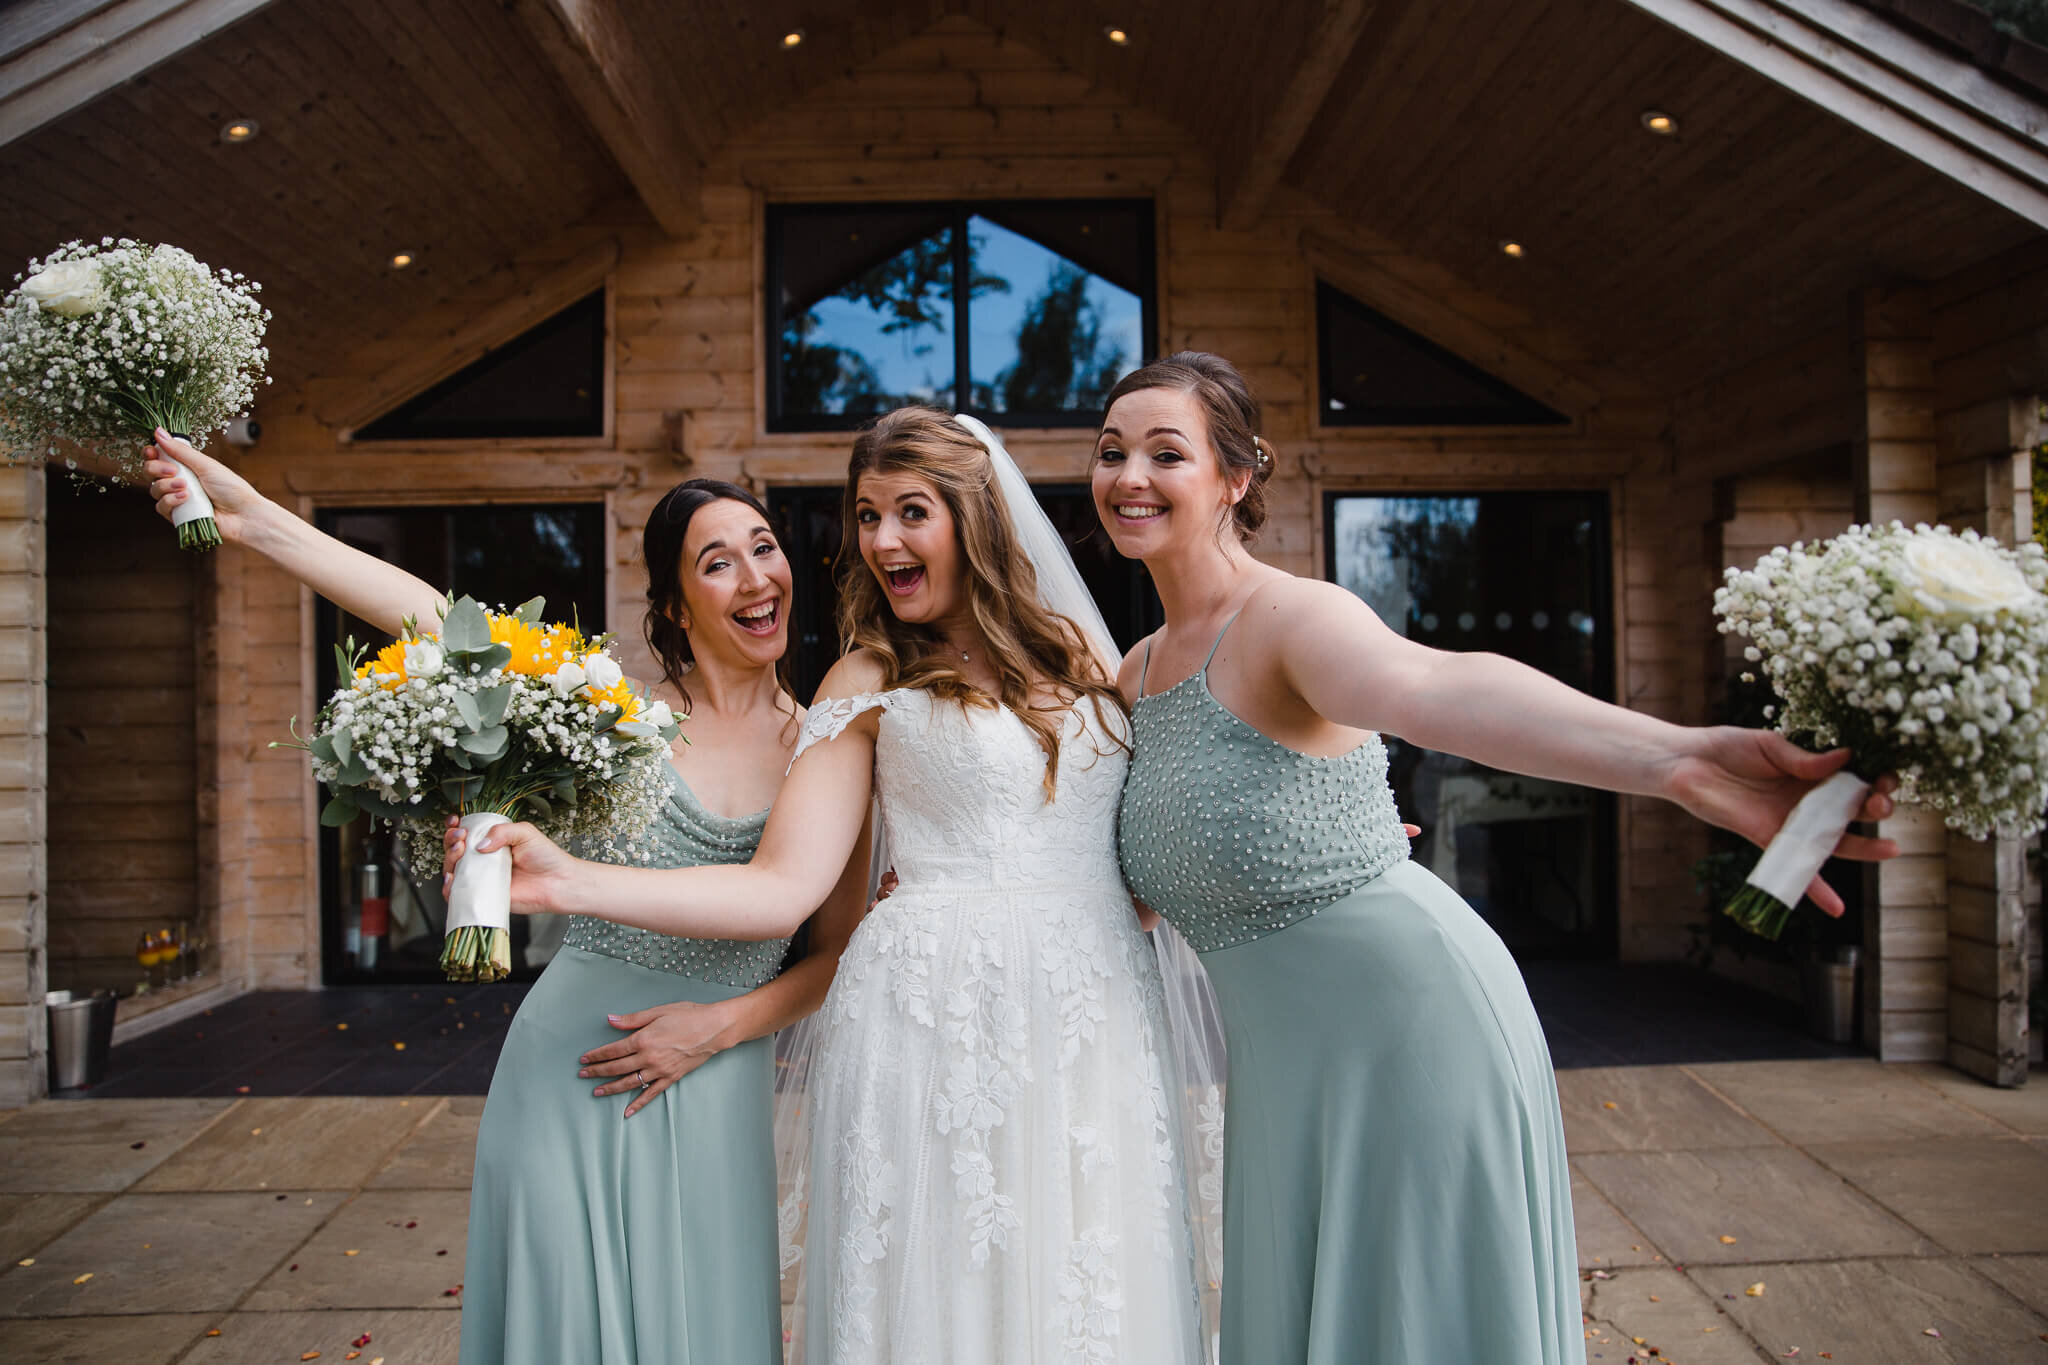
[(243, 431)]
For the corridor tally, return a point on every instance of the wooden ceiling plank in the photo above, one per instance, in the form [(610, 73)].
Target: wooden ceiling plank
[(100, 48), (1880, 94), (596, 58), (426, 365), (1245, 188)]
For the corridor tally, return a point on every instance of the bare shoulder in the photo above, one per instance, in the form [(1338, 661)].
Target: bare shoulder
[(1132, 670), (855, 674), (1290, 603)]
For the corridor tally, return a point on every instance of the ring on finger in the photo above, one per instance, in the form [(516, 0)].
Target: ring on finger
[(644, 1082)]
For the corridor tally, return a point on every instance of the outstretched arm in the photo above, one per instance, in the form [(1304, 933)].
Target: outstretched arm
[(812, 830), (380, 593), (668, 1042), (1334, 652)]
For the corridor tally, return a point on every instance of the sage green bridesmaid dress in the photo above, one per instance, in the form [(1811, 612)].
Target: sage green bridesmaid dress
[(1395, 1189), (642, 1241)]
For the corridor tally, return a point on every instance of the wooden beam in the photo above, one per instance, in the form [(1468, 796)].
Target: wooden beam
[(598, 57), (1427, 313), (437, 357), (1242, 191), (1890, 83), (59, 55)]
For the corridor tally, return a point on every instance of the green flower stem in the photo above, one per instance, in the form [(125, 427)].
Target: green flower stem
[(202, 534), (474, 953), (1759, 912)]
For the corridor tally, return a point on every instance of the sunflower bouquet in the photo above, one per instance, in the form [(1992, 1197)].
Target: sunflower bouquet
[(497, 717), (102, 343), (1926, 653)]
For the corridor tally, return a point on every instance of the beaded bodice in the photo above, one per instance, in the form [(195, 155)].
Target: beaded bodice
[(685, 834), (1231, 835)]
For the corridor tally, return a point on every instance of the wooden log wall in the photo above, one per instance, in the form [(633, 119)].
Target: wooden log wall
[(123, 783), (24, 768)]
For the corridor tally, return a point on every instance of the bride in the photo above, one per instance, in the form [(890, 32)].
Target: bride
[(996, 1154)]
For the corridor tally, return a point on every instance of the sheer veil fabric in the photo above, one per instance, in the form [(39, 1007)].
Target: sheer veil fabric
[(1197, 1064)]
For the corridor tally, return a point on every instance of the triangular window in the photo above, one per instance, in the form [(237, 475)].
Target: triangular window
[(1377, 373), (546, 382)]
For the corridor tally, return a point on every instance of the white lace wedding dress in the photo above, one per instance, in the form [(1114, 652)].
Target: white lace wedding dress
[(995, 1170)]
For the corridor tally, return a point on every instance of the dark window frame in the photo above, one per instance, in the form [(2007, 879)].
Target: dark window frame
[(960, 210), (396, 420), (1523, 410), (1604, 943)]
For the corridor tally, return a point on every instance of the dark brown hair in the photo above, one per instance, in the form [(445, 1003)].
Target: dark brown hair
[(1233, 417), (1025, 639), (661, 548)]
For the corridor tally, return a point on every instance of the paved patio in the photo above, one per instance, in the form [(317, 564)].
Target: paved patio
[(1727, 1212)]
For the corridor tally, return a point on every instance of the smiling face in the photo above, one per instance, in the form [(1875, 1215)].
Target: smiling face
[(1158, 482), (735, 585), (908, 539)]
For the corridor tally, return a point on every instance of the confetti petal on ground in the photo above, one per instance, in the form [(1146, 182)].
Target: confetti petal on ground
[(83, 1278), (1930, 1332), (1755, 1291), (341, 1028), (29, 1260), (310, 1355), (138, 1146), (360, 1342), (398, 1047), (1726, 1240), (1609, 1104), (214, 1333), (351, 1253)]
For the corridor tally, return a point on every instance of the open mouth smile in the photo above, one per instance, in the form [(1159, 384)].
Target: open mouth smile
[(904, 579), (760, 619)]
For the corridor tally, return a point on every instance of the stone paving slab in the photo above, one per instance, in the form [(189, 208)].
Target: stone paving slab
[(1663, 1311), (1841, 1101), (384, 1249), (1606, 1239), (1777, 1204), (2023, 1277), (1635, 1109), (2025, 1109), (1878, 1312), (442, 1154), (161, 1253), (104, 1145), (28, 1221), (1969, 1194), (142, 1339), (293, 1144), (404, 1337)]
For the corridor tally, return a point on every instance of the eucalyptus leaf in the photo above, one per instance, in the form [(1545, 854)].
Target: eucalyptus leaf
[(354, 773), (465, 706), (338, 811), (487, 744), (341, 748), (529, 611), (322, 748), (541, 808), (465, 629), (492, 701), (638, 729)]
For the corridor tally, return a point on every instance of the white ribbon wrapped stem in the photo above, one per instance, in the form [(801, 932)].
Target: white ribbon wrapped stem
[(481, 895), (196, 505), (1809, 837)]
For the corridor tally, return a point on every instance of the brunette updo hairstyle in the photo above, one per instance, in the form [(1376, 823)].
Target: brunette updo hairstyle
[(661, 549), (1233, 416)]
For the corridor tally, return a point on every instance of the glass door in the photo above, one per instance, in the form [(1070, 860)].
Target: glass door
[(1520, 574), (378, 924)]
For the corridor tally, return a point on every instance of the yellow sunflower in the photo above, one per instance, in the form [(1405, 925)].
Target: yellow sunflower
[(390, 661), (619, 694), (536, 650)]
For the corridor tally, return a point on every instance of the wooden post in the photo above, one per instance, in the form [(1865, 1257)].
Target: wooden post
[(1905, 943), (24, 776), (1985, 474)]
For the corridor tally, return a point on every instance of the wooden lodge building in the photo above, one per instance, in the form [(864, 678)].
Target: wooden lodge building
[(1556, 309)]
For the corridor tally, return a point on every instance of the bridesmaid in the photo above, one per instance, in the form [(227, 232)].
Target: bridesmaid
[(1395, 1183), (651, 1241)]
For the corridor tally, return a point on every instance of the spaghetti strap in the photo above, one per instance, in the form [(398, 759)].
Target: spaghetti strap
[(1219, 637), (1144, 667)]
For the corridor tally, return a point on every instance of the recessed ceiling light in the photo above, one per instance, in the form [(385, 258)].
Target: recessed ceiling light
[(1514, 249), (1117, 36), (793, 38), (401, 259), (1659, 122), (239, 130)]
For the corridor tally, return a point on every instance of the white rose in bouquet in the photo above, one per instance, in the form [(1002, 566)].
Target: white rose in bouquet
[(567, 679), (69, 288), (659, 715), (423, 659), (1951, 576), (601, 672)]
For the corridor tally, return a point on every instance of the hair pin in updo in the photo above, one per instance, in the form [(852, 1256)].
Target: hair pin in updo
[(1265, 452)]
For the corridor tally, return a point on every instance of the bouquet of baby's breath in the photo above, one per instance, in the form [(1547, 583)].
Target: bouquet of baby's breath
[(497, 717), (1925, 652), (102, 344)]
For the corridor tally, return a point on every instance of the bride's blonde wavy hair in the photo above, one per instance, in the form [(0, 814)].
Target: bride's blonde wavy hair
[(1025, 639)]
